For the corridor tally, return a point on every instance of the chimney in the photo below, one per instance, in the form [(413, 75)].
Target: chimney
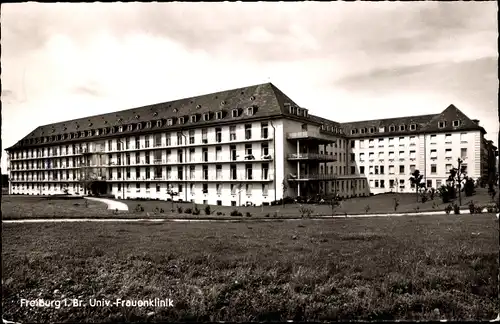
[(475, 121)]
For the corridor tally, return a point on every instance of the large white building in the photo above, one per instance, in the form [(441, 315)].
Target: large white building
[(249, 145)]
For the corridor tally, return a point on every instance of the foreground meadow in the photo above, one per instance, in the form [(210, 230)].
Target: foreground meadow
[(412, 268)]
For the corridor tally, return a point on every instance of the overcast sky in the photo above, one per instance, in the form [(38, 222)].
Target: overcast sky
[(342, 61)]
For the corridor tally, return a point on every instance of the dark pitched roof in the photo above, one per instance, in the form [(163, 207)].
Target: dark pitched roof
[(267, 99), (423, 123)]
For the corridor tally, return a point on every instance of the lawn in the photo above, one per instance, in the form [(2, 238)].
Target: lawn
[(411, 268), (17, 207), (378, 204)]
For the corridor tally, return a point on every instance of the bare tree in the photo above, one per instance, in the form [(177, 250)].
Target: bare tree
[(284, 185), (458, 175), (172, 194), (417, 180)]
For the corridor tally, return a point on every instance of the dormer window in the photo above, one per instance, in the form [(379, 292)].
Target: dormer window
[(97, 132), (90, 125), (193, 118), (136, 116), (120, 129), (155, 114), (353, 131), (381, 129), (392, 128), (175, 110), (372, 130), (206, 116), (235, 112), (170, 122), (363, 130), (158, 123), (148, 124), (413, 127), (223, 102), (442, 124), (198, 106), (139, 126), (181, 120), (252, 98), (129, 127), (89, 133), (82, 134), (402, 128), (104, 131), (218, 115), (456, 123), (249, 111)]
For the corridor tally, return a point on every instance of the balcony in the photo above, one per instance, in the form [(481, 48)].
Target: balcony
[(311, 157), (311, 135), (318, 176)]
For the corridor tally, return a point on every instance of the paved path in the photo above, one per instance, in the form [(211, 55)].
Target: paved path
[(112, 204)]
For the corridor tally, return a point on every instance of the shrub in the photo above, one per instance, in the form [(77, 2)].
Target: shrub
[(396, 203), (472, 207), (456, 209), (267, 215), (139, 208), (469, 187), (305, 211), (478, 209), (367, 208), (492, 208), (188, 211), (448, 209), (248, 214), (235, 213), (289, 200), (179, 209), (196, 211), (219, 213), (207, 210), (423, 197), (432, 193)]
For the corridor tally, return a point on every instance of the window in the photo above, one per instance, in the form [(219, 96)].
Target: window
[(235, 112), (381, 129), (433, 139), (249, 189), (205, 172), (401, 169), (412, 168), (380, 155), (218, 135), (464, 167), (148, 125), (380, 142), (413, 127), (371, 169), (248, 149), (413, 140), (448, 167), (353, 158), (264, 130), (265, 189), (361, 144), (412, 155), (169, 139), (218, 171), (353, 170), (206, 116), (463, 153), (433, 168), (218, 189), (249, 111), (157, 187), (191, 136), (181, 120), (448, 153), (433, 154), (352, 144), (362, 130), (442, 124), (194, 118), (371, 143), (248, 131), (204, 136), (372, 130), (391, 142), (463, 137), (218, 115), (361, 157), (362, 169), (391, 169), (205, 154), (248, 168), (179, 138), (157, 140), (402, 128), (371, 155), (232, 133), (233, 192), (456, 123), (170, 122), (447, 138), (354, 131), (391, 155), (146, 141), (392, 128)]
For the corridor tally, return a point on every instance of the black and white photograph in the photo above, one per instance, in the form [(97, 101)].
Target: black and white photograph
[(250, 161)]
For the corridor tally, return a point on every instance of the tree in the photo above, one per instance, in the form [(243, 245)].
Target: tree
[(417, 180), (284, 185), (457, 175)]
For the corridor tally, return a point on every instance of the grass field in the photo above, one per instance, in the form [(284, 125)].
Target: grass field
[(408, 268), (18, 207)]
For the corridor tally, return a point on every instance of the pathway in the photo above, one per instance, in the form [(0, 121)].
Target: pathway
[(112, 204)]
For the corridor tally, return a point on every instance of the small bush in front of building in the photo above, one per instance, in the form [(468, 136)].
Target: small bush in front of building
[(472, 207), (448, 209), (139, 208), (235, 213), (207, 210), (367, 208), (188, 211), (396, 203), (179, 209), (196, 211), (219, 213), (267, 215), (456, 209), (248, 214)]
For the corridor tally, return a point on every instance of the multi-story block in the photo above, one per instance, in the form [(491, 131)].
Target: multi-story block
[(250, 145)]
